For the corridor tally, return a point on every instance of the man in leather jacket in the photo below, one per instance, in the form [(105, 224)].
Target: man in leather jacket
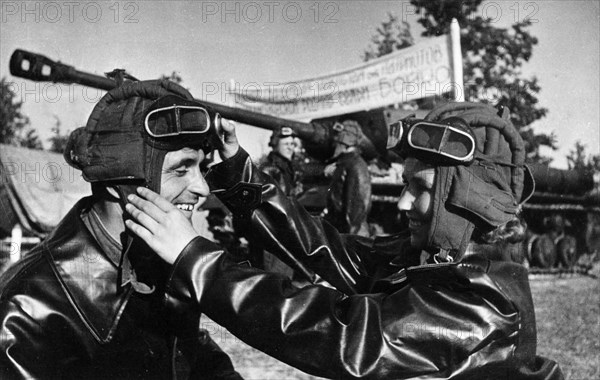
[(279, 163), (280, 166), (349, 194), (87, 302), (424, 303)]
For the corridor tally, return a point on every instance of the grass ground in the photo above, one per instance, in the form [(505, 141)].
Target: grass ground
[(568, 320)]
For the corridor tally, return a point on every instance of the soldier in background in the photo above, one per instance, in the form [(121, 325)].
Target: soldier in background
[(280, 163), (349, 195)]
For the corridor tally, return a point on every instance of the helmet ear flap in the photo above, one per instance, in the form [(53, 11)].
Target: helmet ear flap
[(488, 192), (74, 154)]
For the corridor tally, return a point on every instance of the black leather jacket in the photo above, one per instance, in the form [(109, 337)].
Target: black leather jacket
[(63, 317), (349, 195), (284, 172), (378, 317)]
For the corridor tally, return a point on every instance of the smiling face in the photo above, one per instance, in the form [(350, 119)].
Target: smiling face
[(285, 147), (417, 199), (182, 183)]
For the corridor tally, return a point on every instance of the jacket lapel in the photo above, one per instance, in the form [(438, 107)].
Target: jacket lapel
[(87, 276)]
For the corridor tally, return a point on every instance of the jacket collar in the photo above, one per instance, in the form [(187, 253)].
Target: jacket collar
[(276, 157), (348, 155), (88, 277)]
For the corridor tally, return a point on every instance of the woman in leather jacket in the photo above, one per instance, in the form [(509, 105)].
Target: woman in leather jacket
[(415, 305)]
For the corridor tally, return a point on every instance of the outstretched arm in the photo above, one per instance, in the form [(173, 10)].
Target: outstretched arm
[(404, 331)]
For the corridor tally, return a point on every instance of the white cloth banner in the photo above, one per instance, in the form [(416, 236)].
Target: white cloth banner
[(415, 72)]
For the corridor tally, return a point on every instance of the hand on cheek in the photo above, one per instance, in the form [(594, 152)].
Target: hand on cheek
[(159, 223)]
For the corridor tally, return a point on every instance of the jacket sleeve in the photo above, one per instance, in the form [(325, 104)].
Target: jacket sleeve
[(308, 244), (18, 359), (402, 332), (275, 173), (357, 198)]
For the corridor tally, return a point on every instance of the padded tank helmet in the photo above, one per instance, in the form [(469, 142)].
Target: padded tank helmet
[(480, 174), (279, 134), (347, 133), (132, 128)]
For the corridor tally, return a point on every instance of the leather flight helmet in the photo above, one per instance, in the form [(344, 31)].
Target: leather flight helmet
[(123, 145), (485, 193), (347, 133), (132, 128), (279, 134)]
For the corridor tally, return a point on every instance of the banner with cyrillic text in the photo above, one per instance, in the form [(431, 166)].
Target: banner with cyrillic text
[(415, 72)]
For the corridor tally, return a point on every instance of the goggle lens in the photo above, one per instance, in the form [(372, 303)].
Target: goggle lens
[(175, 120), (432, 139)]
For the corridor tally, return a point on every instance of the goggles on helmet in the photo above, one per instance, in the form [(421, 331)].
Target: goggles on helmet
[(338, 127), (447, 142), (286, 132), (173, 116)]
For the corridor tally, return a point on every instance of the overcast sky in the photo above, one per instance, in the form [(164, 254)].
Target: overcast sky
[(209, 43)]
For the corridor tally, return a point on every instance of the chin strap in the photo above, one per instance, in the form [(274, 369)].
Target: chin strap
[(127, 237), (147, 271)]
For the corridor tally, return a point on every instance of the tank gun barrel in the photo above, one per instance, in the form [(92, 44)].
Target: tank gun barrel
[(552, 180), (40, 68)]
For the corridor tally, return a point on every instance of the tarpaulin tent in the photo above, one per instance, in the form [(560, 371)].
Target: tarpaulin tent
[(37, 189)]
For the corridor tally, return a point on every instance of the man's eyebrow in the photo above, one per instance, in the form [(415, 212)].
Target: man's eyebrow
[(189, 160)]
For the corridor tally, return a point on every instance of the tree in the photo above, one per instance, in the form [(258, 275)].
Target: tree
[(580, 161), (392, 35), (14, 126), (58, 142), (492, 61), (31, 140)]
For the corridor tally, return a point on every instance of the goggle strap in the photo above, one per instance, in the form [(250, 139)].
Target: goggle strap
[(483, 160), (395, 132)]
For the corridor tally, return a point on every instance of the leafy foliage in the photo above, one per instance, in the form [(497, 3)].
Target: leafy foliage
[(392, 35), (492, 61), (579, 160), (14, 126), (31, 140)]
